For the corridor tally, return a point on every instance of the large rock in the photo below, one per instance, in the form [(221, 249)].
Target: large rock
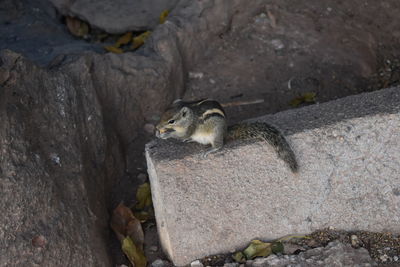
[(68, 125), (349, 156), (54, 180), (117, 16)]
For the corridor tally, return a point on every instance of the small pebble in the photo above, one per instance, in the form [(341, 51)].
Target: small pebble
[(196, 75), (196, 263), (384, 258), (159, 263), (212, 81), (39, 241), (153, 248), (354, 241), (277, 44), (395, 258)]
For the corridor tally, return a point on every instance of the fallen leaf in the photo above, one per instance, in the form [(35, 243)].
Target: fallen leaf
[(143, 196), (308, 97), (257, 248), (289, 237), (124, 39), (135, 232), (140, 39), (124, 224), (163, 16), (134, 254), (77, 27), (239, 257), (277, 247), (114, 49)]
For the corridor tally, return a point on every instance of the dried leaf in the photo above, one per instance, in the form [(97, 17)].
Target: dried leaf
[(239, 257), (114, 49), (143, 196), (134, 254), (124, 223), (124, 39), (140, 39), (289, 237), (257, 248), (277, 247), (163, 16), (308, 97), (135, 232), (77, 27)]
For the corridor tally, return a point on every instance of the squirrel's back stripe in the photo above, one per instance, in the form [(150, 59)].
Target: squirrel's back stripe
[(212, 112)]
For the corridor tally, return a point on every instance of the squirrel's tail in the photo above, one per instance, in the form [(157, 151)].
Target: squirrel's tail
[(269, 134)]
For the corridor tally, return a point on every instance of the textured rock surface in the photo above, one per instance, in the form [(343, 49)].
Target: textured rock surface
[(335, 254), (67, 125), (117, 16), (53, 149), (348, 151)]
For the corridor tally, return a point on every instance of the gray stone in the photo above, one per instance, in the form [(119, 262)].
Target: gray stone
[(348, 152), (117, 16), (334, 254), (160, 263), (196, 263), (51, 159), (64, 124)]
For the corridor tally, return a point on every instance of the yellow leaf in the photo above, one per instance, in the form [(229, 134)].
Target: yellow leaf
[(140, 39), (295, 102), (77, 27), (257, 248), (143, 196), (134, 254), (163, 16), (239, 257), (114, 49), (308, 97), (124, 39)]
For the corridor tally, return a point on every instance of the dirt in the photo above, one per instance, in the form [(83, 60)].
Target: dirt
[(333, 48), (384, 248)]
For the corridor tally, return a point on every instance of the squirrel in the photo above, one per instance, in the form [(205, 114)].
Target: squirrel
[(204, 122)]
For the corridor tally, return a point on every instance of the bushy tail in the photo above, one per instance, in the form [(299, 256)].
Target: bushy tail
[(269, 134)]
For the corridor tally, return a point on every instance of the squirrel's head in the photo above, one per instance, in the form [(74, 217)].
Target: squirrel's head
[(175, 122)]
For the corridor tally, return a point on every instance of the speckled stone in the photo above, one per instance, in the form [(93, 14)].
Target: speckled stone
[(349, 156)]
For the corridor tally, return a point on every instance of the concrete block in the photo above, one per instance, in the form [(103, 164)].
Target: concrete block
[(349, 156)]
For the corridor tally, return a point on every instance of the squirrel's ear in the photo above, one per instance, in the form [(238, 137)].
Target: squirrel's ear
[(184, 111)]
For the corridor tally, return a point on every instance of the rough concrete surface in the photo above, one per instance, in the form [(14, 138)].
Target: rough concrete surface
[(349, 156)]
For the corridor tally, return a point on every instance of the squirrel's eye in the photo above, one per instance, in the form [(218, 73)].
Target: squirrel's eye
[(171, 121)]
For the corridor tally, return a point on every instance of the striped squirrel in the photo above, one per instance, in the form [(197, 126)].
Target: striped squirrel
[(204, 122)]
